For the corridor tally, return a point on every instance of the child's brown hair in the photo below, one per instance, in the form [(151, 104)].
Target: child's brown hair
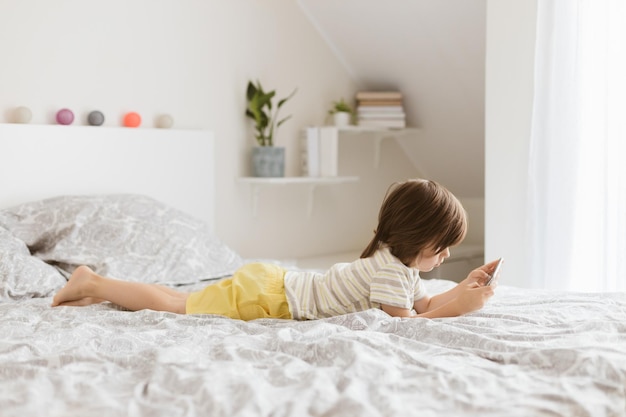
[(417, 215)]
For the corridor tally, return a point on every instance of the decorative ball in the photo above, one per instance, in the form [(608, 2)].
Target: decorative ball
[(65, 117), (22, 115), (132, 119), (164, 121), (95, 118)]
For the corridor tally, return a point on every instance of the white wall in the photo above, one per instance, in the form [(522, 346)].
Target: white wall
[(192, 59), (509, 96), (434, 52)]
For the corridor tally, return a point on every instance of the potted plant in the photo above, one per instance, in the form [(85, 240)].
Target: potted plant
[(341, 112), (267, 160)]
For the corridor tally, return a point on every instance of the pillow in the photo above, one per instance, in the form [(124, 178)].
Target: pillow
[(23, 275), (127, 236)]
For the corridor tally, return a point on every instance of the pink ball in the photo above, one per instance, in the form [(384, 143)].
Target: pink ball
[(65, 117)]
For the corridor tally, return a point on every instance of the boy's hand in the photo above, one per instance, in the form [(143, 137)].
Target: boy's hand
[(471, 294), (480, 275), (472, 298)]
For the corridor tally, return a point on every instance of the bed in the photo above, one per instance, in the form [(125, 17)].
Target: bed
[(527, 353)]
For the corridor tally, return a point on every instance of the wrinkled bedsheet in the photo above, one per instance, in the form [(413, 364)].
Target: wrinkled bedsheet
[(527, 353)]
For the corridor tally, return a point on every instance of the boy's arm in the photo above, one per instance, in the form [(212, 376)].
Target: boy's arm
[(430, 303), (475, 279), (447, 310), (468, 300)]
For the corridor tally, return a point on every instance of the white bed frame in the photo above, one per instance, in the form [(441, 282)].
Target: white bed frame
[(172, 166)]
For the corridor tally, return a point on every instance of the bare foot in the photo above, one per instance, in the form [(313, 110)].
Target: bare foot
[(76, 291), (87, 301)]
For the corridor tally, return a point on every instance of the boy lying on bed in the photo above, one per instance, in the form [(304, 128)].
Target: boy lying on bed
[(418, 223)]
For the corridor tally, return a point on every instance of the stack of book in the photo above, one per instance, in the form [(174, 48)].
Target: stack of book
[(320, 151), (380, 109)]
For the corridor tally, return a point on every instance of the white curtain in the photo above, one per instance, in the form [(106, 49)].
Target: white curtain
[(577, 161)]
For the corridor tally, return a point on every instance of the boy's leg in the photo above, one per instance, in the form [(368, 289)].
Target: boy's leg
[(85, 287), (92, 300), (170, 291)]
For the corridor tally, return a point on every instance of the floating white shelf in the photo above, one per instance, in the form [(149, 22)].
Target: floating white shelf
[(374, 129), (296, 180), (312, 182)]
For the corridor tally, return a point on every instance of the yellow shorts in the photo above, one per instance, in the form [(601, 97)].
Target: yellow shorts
[(255, 291)]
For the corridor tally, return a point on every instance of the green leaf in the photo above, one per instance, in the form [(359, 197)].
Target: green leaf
[(281, 102), (283, 121), (250, 91), (259, 108)]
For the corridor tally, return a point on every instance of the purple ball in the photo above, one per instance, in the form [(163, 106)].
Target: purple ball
[(65, 117)]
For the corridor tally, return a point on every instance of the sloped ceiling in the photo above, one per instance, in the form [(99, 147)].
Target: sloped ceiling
[(434, 52)]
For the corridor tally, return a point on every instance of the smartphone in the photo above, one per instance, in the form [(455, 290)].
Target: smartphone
[(496, 272)]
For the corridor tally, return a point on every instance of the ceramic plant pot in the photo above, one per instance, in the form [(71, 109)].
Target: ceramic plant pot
[(268, 161), (341, 118)]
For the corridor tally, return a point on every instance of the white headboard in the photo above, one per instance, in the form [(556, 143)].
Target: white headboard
[(173, 166)]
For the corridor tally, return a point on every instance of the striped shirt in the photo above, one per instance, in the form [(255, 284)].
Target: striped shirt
[(351, 287)]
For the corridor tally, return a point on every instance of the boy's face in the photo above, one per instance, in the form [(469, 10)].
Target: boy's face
[(429, 259)]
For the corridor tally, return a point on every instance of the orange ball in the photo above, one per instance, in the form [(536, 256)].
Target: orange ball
[(132, 119)]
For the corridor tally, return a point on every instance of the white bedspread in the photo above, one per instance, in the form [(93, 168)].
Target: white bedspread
[(527, 353)]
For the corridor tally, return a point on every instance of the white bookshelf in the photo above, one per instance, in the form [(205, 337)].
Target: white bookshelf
[(258, 183)]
